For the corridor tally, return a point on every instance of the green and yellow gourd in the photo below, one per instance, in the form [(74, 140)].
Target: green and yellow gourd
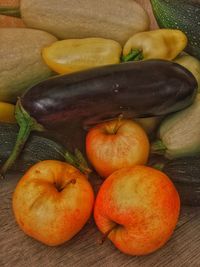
[(179, 133)]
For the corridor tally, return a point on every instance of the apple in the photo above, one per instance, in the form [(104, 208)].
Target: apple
[(137, 208), (52, 202), (116, 144)]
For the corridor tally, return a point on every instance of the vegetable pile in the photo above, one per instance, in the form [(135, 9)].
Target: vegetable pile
[(130, 94)]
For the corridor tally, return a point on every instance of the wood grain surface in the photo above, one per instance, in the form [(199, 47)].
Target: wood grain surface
[(83, 250), (18, 250)]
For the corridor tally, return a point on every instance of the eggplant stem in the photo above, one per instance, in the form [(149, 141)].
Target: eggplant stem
[(158, 147), (10, 11), (159, 166), (80, 157), (134, 55), (82, 162), (27, 124)]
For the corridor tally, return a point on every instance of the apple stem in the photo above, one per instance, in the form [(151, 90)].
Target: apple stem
[(117, 125), (72, 181), (106, 234)]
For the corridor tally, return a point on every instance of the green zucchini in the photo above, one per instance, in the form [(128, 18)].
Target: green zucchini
[(185, 174), (179, 133), (37, 148), (183, 15), (21, 62)]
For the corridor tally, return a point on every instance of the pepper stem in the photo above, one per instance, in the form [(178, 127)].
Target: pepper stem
[(27, 124), (158, 147), (10, 11), (134, 55)]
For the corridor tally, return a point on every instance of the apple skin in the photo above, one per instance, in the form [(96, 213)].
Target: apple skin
[(47, 214), (142, 205), (110, 148)]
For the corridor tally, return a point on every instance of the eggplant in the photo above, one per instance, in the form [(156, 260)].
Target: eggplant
[(139, 89), (185, 174), (134, 89)]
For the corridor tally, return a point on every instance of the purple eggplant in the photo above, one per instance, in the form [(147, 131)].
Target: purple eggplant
[(134, 89)]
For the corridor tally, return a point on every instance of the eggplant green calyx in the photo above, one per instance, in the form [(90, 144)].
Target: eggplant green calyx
[(158, 147), (134, 55), (159, 166), (78, 161), (27, 124), (10, 11)]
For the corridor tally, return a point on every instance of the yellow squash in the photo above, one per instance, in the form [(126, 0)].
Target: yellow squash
[(73, 55), (71, 19), (21, 63), (190, 63), (7, 112), (158, 44)]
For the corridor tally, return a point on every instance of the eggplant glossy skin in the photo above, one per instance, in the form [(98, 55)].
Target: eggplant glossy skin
[(134, 89)]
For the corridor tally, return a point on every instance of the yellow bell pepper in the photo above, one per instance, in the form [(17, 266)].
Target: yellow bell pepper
[(190, 63), (7, 112), (73, 55), (158, 44)]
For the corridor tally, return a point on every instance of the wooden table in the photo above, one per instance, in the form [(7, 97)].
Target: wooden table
[(18, 250)]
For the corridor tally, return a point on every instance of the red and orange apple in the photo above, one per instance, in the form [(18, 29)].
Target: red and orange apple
[(52, 202), (116, 144), (137, 209)]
